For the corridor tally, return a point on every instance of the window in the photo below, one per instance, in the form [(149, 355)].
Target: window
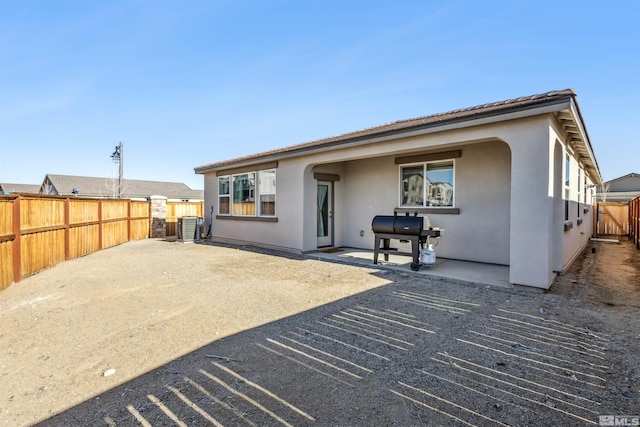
[(238, 194), (579, 192), (244, 191), (267, 191), (428, 184), (223, 195), (585, 187)]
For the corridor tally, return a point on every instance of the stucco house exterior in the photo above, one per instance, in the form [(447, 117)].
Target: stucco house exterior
[(510, 182)]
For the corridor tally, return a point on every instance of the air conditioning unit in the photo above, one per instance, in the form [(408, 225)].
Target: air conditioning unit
[(188, 228)]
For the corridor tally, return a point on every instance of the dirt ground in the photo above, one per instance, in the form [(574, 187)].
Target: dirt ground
[(164, 333)]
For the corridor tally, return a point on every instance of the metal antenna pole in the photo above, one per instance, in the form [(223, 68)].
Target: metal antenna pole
[(120, 176), (117, 158)]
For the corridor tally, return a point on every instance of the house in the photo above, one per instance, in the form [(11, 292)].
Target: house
[(621, 189), (510, 182), (7, 188), (84, 186)]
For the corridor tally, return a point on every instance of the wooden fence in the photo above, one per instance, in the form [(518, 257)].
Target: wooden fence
[(612, 218), (177, 210), (37, 232), (634, 221)]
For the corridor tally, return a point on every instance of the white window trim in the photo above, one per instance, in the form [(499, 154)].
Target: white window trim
[(256, 195), (259, 194), (424, 187), (225, 195)]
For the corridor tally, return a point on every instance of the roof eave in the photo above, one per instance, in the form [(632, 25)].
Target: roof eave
[(576, 135), (462, 121)]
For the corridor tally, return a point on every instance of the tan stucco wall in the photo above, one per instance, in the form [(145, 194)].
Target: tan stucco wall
[(482, 192), (505, 183)]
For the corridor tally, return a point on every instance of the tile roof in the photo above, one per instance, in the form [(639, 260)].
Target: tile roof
[(461, 114)]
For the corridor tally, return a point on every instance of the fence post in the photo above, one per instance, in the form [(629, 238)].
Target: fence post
[(67, 240), (100, 225), (129, 221), (17, 250), (158, 216)]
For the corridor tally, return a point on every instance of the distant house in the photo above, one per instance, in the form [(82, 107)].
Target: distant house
[(85, 186), (7, 188), (620, 189), (510, 181)]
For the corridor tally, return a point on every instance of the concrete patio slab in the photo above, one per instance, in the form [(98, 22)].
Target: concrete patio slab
[(474, 272)]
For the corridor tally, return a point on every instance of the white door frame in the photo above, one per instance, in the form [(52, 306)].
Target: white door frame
[(324, 227)]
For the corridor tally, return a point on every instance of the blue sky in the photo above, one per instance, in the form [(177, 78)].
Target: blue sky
[(185, 83)]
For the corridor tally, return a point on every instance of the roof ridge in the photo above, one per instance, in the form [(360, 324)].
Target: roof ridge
[(398, 125)]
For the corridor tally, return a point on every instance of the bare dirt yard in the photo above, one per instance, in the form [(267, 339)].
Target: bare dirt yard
[(165, 333)]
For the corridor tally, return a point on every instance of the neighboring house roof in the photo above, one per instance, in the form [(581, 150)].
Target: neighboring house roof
[(565, 108), (19, 188), (629, 182), (64, 185), (620, 189)]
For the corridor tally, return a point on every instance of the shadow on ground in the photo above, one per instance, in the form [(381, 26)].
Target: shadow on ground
[(422, 351)]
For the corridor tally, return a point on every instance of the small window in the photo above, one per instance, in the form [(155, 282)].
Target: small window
[(579, 193), (223, 195), (584, 188), (267, 192), (427, 184)]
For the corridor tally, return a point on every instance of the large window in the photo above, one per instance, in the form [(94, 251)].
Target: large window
[(238, 194), (428, 184), (244, 194)]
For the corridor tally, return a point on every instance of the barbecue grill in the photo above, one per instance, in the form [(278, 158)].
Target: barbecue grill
[(403, 228)]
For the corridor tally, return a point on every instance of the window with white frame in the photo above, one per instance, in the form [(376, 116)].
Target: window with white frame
[(429, 184), (584, 188), (224, 197), (579, 192), (244, 194), (247, 194), (267, 192)]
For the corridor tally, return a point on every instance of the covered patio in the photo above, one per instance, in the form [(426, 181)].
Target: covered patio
[(466, 271)]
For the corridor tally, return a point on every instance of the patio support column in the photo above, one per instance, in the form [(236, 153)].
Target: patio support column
[(531, 225)]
